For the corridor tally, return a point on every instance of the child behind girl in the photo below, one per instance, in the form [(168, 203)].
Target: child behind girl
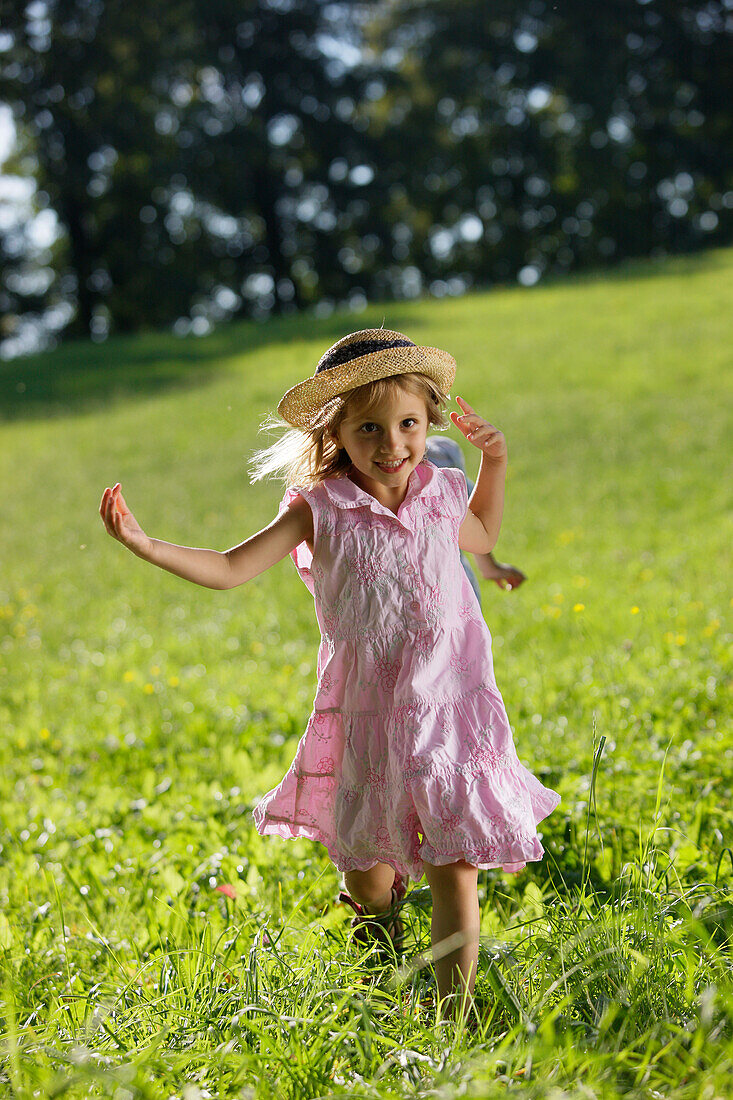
[(407, 765), (442, 451)]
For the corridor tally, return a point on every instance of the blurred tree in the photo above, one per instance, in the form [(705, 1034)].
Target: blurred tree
[(87, 81), (541, 138), (29, 286), (269, 105), (185, 150)]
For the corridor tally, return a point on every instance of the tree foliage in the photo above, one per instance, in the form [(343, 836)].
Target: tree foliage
[(552, 137), (218, 157)]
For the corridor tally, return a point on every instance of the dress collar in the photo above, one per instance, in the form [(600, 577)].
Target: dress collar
[(345, 493)]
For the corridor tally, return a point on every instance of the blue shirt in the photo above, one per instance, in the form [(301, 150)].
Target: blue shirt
[(446, 452)]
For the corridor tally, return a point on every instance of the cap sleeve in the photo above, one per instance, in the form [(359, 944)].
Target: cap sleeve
[(456, 491), (301, 555)]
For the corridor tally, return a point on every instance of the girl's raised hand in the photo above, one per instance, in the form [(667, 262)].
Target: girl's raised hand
[(489, 440), (119, 520)]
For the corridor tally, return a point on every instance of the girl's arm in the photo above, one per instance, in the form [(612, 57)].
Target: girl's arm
[(211, 568), (479, 531), (270, 545), (482, 523)]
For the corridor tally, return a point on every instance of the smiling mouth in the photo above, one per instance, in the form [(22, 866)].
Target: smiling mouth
[(390, 467)]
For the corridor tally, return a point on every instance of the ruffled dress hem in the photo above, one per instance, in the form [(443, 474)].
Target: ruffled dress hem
[(292, 830)]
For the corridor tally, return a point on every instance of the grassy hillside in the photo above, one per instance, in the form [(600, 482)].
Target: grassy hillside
[(143, 716)]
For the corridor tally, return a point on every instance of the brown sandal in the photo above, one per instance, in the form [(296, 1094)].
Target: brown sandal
[(386, 929)]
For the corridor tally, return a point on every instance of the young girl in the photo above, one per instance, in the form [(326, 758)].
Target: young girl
[(407, 764)]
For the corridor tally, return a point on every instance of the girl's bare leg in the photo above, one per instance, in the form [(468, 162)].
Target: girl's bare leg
[(372, 888), (455, 910)]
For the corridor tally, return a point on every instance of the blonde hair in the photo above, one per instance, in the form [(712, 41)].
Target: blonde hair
[(306, 457)]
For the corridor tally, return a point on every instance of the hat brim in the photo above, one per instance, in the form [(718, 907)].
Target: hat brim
[(301, 404)]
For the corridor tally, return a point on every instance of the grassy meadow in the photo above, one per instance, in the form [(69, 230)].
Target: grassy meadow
[(142, 717)]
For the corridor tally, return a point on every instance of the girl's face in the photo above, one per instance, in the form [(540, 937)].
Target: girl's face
[(386, 444)]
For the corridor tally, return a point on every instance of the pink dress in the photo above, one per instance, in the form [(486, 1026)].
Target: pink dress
[(408, 754)]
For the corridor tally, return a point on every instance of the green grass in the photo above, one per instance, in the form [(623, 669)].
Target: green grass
[(143, 717)]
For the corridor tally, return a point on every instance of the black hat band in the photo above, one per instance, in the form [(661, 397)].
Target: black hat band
[(336, 356)]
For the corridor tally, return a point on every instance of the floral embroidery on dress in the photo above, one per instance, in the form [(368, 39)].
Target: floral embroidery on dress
[(387, 671), (376, 779), (488, 852), (417, 767), (331, 623), (326, 523), (448, 819), (321, 725), (491, 758), (434, 603), (367, 570), (433, 512), (460, 664)]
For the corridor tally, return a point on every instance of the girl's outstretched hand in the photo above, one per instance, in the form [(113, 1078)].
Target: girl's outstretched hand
[(119, 520), (489, 440)]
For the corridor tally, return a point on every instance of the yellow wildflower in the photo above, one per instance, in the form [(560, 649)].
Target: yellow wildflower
[(579, 607)]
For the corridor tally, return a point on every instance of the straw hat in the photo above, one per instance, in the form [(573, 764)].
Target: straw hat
[(358, 358)]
